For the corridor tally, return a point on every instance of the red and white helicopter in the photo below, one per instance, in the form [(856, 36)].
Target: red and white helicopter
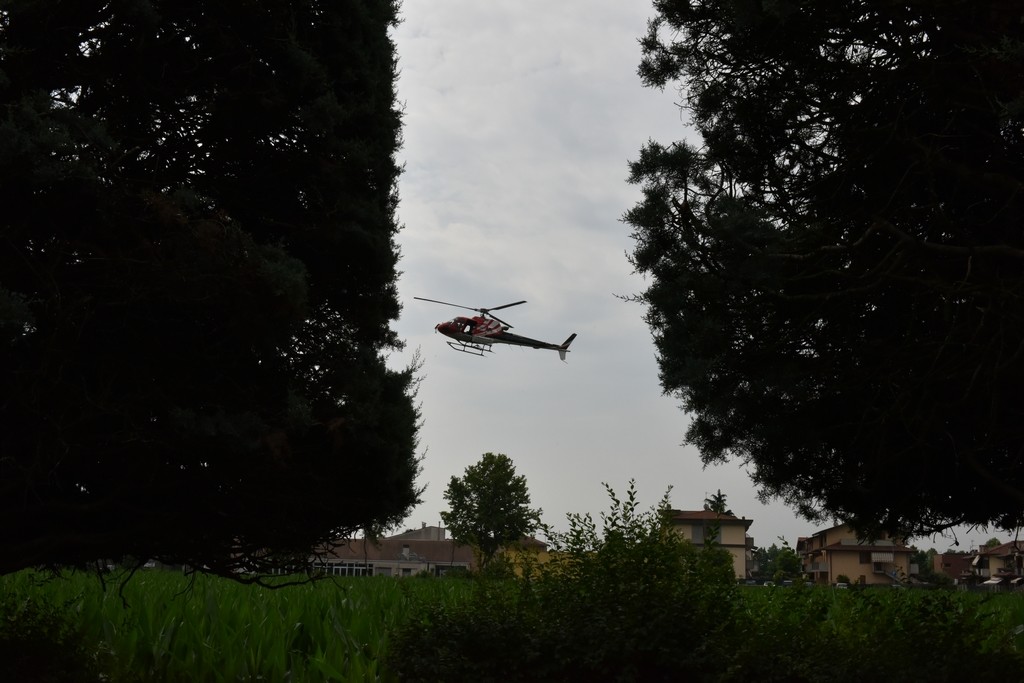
[(476, 335)]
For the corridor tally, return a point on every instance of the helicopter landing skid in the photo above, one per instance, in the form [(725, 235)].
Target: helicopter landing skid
[(471, 349)]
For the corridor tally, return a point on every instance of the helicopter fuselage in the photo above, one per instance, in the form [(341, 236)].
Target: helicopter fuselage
[(475, 334)]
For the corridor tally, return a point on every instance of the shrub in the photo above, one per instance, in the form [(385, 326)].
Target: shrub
[(932, 635), (486, 638), (818, 634), (627, 599), (39, 643), (632, 602)]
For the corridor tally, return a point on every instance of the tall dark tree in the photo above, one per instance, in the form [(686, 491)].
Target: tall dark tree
[(837, 271), (197, 280)]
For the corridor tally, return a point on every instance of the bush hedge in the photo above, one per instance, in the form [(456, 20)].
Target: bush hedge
[(635, 602)]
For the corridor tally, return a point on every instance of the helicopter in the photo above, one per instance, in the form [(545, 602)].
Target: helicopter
[(475, 335)]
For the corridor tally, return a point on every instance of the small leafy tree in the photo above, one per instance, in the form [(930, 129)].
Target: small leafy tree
[(925, 561), (490, 507), (764, 560), (777, 562), (787, 562)]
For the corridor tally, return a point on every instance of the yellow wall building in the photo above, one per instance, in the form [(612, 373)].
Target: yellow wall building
[(697, 525), (835, 552)]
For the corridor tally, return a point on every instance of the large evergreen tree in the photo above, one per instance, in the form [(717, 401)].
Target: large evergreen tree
[(197, 280), (837, 271)]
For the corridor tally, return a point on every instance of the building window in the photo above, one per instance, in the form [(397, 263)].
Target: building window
[(703, 532), (349, 569)]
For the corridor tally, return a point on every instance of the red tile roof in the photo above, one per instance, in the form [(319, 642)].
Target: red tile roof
[(892, 548), (708, 515)]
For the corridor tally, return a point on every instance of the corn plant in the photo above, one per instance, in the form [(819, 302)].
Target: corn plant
[(164, 626)]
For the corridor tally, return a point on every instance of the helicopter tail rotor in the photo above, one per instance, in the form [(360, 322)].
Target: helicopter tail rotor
[(564, 348)]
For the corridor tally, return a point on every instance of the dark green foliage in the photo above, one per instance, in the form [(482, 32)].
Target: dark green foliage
[(836, 272), (926, 572), (166, 627), (821, 634), (178, 628), (197, 278), (777, 562), (40, 643), (490, 637), (961, 640), (490, 507), (797, 634), (633, 601), (716, 503)]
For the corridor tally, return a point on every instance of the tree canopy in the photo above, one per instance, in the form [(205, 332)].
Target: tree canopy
[(836, 270), (197, 281), (490, 506)]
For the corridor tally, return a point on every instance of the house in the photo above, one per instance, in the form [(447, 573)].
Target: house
[(399, 555), (426, 550), (837, 551), (997, 568), (422, 551), (953, 565), (699, 525)]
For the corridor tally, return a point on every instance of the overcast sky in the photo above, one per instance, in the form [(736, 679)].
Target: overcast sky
[(520, 119)]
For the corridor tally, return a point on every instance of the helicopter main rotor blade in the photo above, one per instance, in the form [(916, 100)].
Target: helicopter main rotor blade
[(435, 301), (498, 308), (481, 311), (487, 311)]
